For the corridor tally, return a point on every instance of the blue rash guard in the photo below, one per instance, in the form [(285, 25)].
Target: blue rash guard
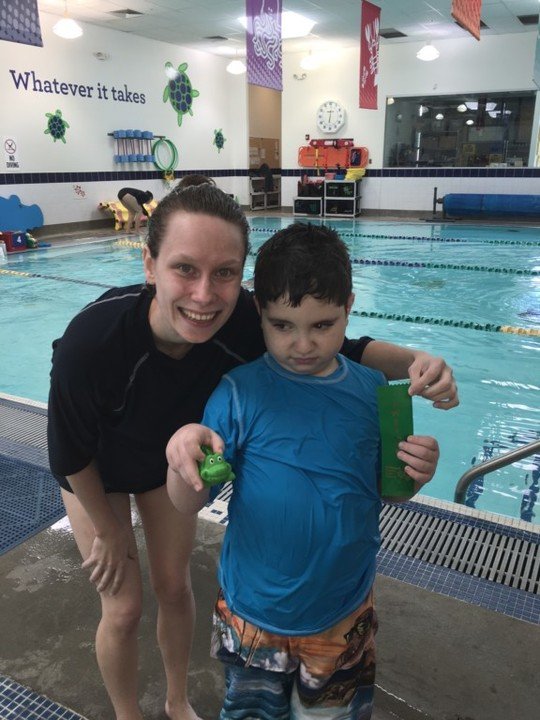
[(300, 548)]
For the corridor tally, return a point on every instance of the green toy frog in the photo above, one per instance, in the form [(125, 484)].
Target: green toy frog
[(214, 469)]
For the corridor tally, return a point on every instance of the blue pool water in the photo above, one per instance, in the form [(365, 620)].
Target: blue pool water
[(438, 279)]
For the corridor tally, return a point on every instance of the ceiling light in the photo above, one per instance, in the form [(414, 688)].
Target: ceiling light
[(439, 116), (293, 25), (462, 108), (236, 67), (427, 53), (390, 101), (473, 105), (469, 122), (422, 110), (310, 62), (66, 27)]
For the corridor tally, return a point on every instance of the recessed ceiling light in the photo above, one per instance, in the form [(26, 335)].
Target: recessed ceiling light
[(236, 67), (428, 53)]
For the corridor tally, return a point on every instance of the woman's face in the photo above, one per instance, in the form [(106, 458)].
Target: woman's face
[(197, 276)]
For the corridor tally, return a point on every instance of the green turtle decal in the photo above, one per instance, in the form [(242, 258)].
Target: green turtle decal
[(56, 126), (179, 90), (214, 469), (219, 139)]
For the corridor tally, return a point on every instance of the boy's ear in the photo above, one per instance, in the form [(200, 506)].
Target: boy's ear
[(349, 305), (257, 305)]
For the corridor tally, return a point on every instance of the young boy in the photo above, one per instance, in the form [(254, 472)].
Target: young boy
[(294, 621)]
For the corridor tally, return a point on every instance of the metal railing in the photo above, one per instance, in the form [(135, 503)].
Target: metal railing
[(493, 464)]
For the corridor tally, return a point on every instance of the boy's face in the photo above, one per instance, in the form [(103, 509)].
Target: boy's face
[(305, 339)]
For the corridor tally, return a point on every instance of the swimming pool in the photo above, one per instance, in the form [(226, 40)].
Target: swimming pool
[(445, 288)]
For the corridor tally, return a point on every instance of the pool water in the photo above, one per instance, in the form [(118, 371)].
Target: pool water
[(485, 276)]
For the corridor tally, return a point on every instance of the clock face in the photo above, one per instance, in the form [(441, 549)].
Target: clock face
[(330, 116)]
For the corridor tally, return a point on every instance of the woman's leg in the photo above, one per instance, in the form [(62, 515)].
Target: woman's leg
[(116, 637), (134, 212), (169, 542)]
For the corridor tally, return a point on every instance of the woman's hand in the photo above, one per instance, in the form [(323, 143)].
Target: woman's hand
[(433, 379), (420, 453), (108, 558), (184, 450), (430, 376)]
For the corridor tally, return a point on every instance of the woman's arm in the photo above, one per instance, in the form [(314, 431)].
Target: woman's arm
[(110, 550), (430, 376)]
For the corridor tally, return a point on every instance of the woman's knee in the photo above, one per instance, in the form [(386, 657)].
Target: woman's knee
[(122, 616), (173, 589)]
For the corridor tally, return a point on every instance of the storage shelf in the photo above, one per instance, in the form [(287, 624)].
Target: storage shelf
[(341, 198), (261, 199), (307, 206)]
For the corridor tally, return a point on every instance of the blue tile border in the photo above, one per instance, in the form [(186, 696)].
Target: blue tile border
[(122, 175), (518, 604), (20, 703)]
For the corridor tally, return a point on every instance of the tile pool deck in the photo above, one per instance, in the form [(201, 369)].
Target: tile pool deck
[(439, 658)]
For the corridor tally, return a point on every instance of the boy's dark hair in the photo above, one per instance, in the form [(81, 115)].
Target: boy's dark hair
[(303, 259)]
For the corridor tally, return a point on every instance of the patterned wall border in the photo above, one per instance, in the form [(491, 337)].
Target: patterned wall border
[(78, 177)]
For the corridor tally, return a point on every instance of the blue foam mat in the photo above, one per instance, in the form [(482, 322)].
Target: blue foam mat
[(30, 501)]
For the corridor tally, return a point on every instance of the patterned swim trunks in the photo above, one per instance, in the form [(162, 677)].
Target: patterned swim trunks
[(328, 676)]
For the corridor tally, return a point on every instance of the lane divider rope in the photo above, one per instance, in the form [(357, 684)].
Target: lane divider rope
[(444, 266), (437, 266), (489, 327), (21, 273), (421, 238), (129, 243)]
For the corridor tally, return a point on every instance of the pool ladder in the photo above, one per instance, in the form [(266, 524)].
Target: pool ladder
[(493, 464)]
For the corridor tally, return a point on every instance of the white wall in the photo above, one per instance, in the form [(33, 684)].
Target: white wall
[(496, 63), (134, 62)]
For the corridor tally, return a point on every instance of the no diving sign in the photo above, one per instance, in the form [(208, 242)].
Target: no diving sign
[(10, 152)]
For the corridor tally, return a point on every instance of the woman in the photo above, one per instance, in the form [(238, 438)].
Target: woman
[(133, 200), (133, 367)]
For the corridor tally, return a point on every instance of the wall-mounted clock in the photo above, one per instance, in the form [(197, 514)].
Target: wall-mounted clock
[(330, 116)]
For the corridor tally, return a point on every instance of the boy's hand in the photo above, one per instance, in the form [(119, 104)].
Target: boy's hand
[(432, 378), (184, 450), (420, 453)]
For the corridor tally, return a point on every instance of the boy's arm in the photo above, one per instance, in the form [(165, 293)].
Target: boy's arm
[(420, 453), (184, 498), (430, 376)]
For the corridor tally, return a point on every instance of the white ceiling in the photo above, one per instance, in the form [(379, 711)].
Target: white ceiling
[(338, 21)]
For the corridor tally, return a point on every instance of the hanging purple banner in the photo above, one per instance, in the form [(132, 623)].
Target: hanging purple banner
[(263, 43), (19, 22)]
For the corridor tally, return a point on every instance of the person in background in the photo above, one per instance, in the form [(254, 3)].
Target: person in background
[(130, 369), (294, 623), (133, 200)]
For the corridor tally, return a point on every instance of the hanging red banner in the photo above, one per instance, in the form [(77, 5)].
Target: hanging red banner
[(369, 55), (467, 14)]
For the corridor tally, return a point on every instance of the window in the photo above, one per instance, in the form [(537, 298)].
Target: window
[(473, 130)]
